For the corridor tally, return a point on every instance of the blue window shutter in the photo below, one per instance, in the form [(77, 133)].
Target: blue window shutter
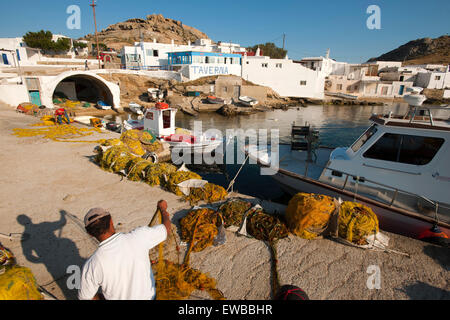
[(18, 54)]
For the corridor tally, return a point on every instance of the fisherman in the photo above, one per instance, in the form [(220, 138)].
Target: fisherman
[(120, 267), (59, 113)]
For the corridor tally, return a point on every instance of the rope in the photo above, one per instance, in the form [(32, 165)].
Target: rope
[(237, 174)]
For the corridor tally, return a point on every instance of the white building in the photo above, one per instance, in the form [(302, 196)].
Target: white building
[(193, 65), (284, 76), (433, 80), (14, 52), (154, 55)]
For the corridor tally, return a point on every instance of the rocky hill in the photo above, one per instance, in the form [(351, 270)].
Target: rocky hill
[(153, 27), (420, 51)]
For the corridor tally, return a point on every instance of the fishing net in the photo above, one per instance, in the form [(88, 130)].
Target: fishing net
[(116, 159), (307, 215), (233, 212), (140, 142), (178, 281), (136, 169), (18, 283), (6, 257), (62, 133), (111, 142), (210, 193), (157, 174), (200, 227), (356, 222), (265, 227), (178, 177)]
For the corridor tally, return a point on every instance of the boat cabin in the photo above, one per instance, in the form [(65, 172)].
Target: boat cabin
[(160, 120)]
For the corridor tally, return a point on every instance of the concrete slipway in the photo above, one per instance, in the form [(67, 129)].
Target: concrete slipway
[(42, 179)]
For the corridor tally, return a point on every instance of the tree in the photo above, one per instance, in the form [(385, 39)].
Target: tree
[(43, 40), (79, 45), (103, 47), (270, 49)]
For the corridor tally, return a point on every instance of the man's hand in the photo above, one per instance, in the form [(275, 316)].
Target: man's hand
[(162, 206)]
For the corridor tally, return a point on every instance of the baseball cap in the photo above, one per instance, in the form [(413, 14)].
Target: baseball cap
[(94, 215)]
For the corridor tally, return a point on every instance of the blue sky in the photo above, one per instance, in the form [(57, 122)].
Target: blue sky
[(310, 26)]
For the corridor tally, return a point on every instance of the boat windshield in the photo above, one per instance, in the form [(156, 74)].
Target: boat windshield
[(364, 138)]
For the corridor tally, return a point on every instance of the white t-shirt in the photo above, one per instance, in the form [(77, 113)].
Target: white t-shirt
[(121, 266)]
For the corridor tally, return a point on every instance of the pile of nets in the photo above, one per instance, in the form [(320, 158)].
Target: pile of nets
[(115, 159), (16, 283), (140, 142), (266, 227), (175, 281), (209, 193), (137, 168), (200, 227), (27, 108), (61, 133), (307, 215), (356, 221), (233, 212), (158, 173), (178, 177)]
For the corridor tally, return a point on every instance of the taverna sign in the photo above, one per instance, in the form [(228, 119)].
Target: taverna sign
[(208, 70)]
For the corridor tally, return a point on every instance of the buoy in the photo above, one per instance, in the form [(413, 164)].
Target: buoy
[(435, 235), (290, 292)]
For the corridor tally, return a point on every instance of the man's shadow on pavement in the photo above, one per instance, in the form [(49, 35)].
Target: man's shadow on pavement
[(43, 246)]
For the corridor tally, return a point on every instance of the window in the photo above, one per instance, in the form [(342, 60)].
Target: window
[(265, 65), (437, 78), (155, 53), (339, 86), (303, 83), (364, 138), (133, 58), (149, 53), (279, 65), (166, 119), (408, 149)]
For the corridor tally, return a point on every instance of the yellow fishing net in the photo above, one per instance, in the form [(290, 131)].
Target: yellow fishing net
[(200, 227), (178, 177), (136, 169), (18, 283), (356, 221), (178, 281), (157, 173), (210, 193), (139, 142), (61, 133), (307, 215), (116, 159)]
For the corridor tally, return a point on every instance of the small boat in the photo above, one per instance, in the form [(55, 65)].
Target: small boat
[(136, 108), (114, 126), (415, 98), (160, 120), (85, 120), (215, 100), (132, 124), (248, 101), (102, 105)]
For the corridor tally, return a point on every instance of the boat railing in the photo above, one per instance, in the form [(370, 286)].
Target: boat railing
[(373, 188)]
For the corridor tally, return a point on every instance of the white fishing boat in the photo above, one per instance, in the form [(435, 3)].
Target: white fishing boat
[(102, 105), (415, 98), (398, 167), (160, 120), (136, 108), (248, 101)]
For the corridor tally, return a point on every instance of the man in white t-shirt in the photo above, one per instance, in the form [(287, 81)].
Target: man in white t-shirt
[(121, 265)]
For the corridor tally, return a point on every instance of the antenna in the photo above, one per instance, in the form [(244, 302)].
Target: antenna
[(93, 5)]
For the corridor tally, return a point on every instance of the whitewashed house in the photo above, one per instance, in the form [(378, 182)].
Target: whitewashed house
[(284, 76), (433, 80), (14, 52)]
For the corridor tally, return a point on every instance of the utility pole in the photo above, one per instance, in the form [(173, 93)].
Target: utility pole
[(284, 40), (93, 5)]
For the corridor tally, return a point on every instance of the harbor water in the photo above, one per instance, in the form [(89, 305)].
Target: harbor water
[(339, 126)]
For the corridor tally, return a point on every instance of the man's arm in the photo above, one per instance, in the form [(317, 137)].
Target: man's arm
[(165, 216)]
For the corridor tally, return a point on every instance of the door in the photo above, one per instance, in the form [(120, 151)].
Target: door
[(402, 88), (237, 92), (5, 58), (35, 97)]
